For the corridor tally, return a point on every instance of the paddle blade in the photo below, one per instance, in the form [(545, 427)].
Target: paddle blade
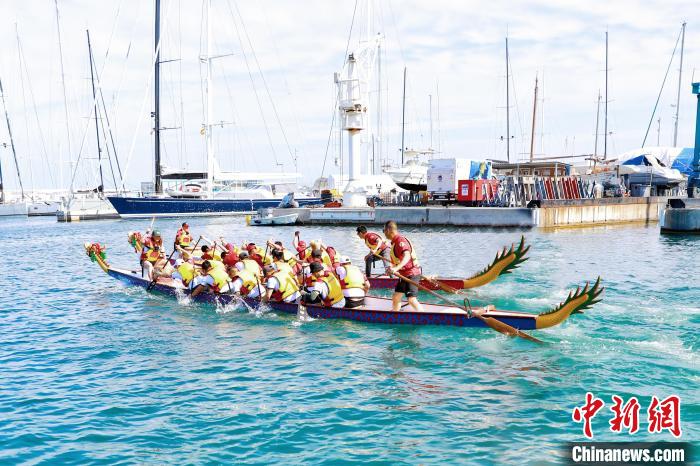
[(507, 329)]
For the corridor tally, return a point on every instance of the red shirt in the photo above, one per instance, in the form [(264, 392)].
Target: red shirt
[(373, 240), (401, 245)]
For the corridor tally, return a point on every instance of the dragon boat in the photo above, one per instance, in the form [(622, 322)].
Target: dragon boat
[(506, 260), (375, 310)]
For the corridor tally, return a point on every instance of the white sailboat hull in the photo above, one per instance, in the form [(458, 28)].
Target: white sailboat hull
[(13, 208)]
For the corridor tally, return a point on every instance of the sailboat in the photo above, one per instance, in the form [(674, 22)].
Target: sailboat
[(412, 175), (212, 192)]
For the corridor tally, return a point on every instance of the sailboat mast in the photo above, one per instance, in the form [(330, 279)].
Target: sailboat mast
[(156, 102), (507, 102), (597, 121), (12, 143), (403, 117), (379, 108), (678, 96), (94, 100), (534, 115), (605, 138), (209, 100), (65, 96), (430, 112)]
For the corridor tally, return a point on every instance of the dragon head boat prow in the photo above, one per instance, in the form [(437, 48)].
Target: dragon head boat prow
[(507, 260), (96, 253), (575, 303)]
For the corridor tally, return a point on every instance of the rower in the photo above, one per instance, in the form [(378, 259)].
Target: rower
[(255, 254), (184, 271), (280, 264), (405, 262), (326, 289), (183, 238), (207, 253), (229, 258), (213, 278), (245, 282), (318, 256), (317, 248), (376, 245), (281, 286), (299, 245), (287, 255), (150, 257), (245, 262), (353, 283)]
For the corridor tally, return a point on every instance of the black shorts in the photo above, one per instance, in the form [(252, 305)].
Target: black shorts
[(409, 289)]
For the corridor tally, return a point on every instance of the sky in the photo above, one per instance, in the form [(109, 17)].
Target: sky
[(274, 93)]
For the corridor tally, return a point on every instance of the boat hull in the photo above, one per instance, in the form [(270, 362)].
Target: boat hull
[(376, 310), (418, 187), (391, 282), (290, 219), (147, 207)]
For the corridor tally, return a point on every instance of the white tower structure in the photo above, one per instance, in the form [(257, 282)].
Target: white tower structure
[(353, 104)]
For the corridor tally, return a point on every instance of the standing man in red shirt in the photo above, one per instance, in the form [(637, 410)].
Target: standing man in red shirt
[(376, 245), (405, 262)]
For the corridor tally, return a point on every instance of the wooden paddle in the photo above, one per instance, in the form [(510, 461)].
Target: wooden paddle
[(489, 321), (440, 285)]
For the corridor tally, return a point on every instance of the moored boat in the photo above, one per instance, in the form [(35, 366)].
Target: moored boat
[(376, 309), (265, 217)]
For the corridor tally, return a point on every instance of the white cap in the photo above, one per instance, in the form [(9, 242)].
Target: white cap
[(344, 260), (178, 262)]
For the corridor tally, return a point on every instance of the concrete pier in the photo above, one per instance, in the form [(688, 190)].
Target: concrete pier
[(682, 216), (544, 214)]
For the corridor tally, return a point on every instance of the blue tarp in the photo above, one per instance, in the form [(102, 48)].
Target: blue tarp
[(683, 161)]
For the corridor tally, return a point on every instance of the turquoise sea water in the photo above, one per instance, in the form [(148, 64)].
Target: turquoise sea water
[(92, 372)]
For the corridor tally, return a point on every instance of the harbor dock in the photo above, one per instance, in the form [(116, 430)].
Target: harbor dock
[(538, 214)]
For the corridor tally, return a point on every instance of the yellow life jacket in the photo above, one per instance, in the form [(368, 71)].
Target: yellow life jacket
[(153, 256), (217, 264), (354, 278), (335, 292), (251, 265), (284, 267), (186, 271), (249, 279), (414, 258), (288, 286), (184, 239), (220, 277)]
